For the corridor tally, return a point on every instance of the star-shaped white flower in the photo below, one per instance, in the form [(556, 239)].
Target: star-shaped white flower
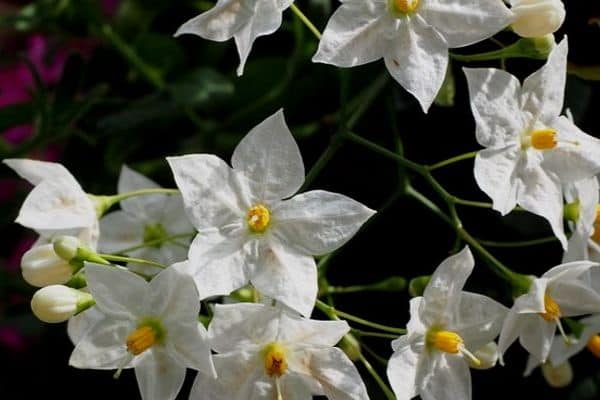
[(242, 20), (144, 220), (412, 36), (152, 327), (57, 205), (589, 338), (564, 291), (267, 353), (530, 149), (584, 196), (446, 325), (247, 233)]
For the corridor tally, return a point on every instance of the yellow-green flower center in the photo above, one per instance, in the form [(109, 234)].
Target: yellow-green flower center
[(148, 333), (275, 359), (154, 235), (258, 218), (404, 7), (552, 309)]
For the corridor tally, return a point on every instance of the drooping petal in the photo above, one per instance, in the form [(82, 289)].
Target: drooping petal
[(289, 277), (495, 175), (270, 158), (318, 222), (442, 296), (222, 260), (576, 298), (118, 293), (494, 96), (120, 231), (533, 301), (511, 329), (537, 335), (479, 319), (159, 377), (464, 22), (104, 346), (418, 59), (543, 91), (568, 271), (36, 171), (211, 190), (402, 372), (309, 332), (147, 207), (562, 351), (577, 155), (242, 326), (445, 376), (355, 34)]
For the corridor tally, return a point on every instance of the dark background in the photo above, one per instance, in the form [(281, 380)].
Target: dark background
[(102, 113)]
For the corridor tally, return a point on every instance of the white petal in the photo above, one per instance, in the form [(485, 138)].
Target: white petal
[(577, 155), (568, 271), (576, 298), (337, 375), (543, 91), (57, 204), (561, 351), (174, 219), (221, 22), (79, 325), (210, 188), (418, 59), (294, 387), (103, 347), (318, 222), (532, 301), (222, 260), (479, 320), (118, 293), (511, 330), (532, 364), (159, 377), (537, 335), (289, 277), (495, 175), (402, 372), (37, 171), (464, 22), (443, 292), (355, 34), (173, 297), (269, 157), (494, 96), (119, 232), (448, 377), (415, 325), (265, 20), (146, 207), (310, 332)]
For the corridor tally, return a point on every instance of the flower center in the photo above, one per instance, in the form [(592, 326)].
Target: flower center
[(258, 218), (403, 7), (154, 235), (449, 342), (540, 139), (275, 358), (593, 345), (148, 333), (552, 310), (596, 234)]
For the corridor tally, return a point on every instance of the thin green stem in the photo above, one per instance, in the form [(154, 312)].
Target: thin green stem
[(157, 242), (392, 284), (452, 160), (104, 203), (522, 243), (332, 311), (383, 361), (384, 387), (471, 203), (112, 257), (306, 21), (361, 333)]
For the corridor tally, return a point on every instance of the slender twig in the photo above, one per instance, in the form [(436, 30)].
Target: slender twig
[(329, 310), (306, 21)]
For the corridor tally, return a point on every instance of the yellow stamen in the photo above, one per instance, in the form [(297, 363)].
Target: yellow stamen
[(593, 345), (141, 340), (275, 359), (446, 341), (544, 139), (405, 6), (552, 310), (596, 234), (258, 218)]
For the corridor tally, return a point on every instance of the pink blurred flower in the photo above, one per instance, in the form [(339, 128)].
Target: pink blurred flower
[(11, 338), (110, 7)]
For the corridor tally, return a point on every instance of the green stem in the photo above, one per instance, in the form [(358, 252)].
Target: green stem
[(306, 21), (331, 311), (359, 332), (392, 284), (104, 203), (384, 387), (111, 257), (471, 203), (522, 243), (156, 242), (452, 160)]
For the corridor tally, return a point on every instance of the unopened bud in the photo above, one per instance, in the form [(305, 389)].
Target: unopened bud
[(535, 18), (66, 247), (58, 303), (558, 376), (487, 355), (417, 285), (41, 266), (571, 211)]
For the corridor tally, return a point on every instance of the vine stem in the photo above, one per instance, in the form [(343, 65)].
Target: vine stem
[(332, 311), (384, 387), (156, 242), (452, 160), (111, 257), (306, 21)]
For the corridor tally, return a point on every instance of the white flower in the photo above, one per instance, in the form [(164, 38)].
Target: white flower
[(57, 205), (564, 291), (412, 36), (150, 326), (446, 325), (242, 20), (145, 220), (247, 233), (537, 18), (584, 196), (267, 353), (531, 150)]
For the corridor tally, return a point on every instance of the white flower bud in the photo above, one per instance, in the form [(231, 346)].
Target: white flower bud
[(535, 18), (58, 303), (487, 355), (41, 266), (558, 376), (66, 247)]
